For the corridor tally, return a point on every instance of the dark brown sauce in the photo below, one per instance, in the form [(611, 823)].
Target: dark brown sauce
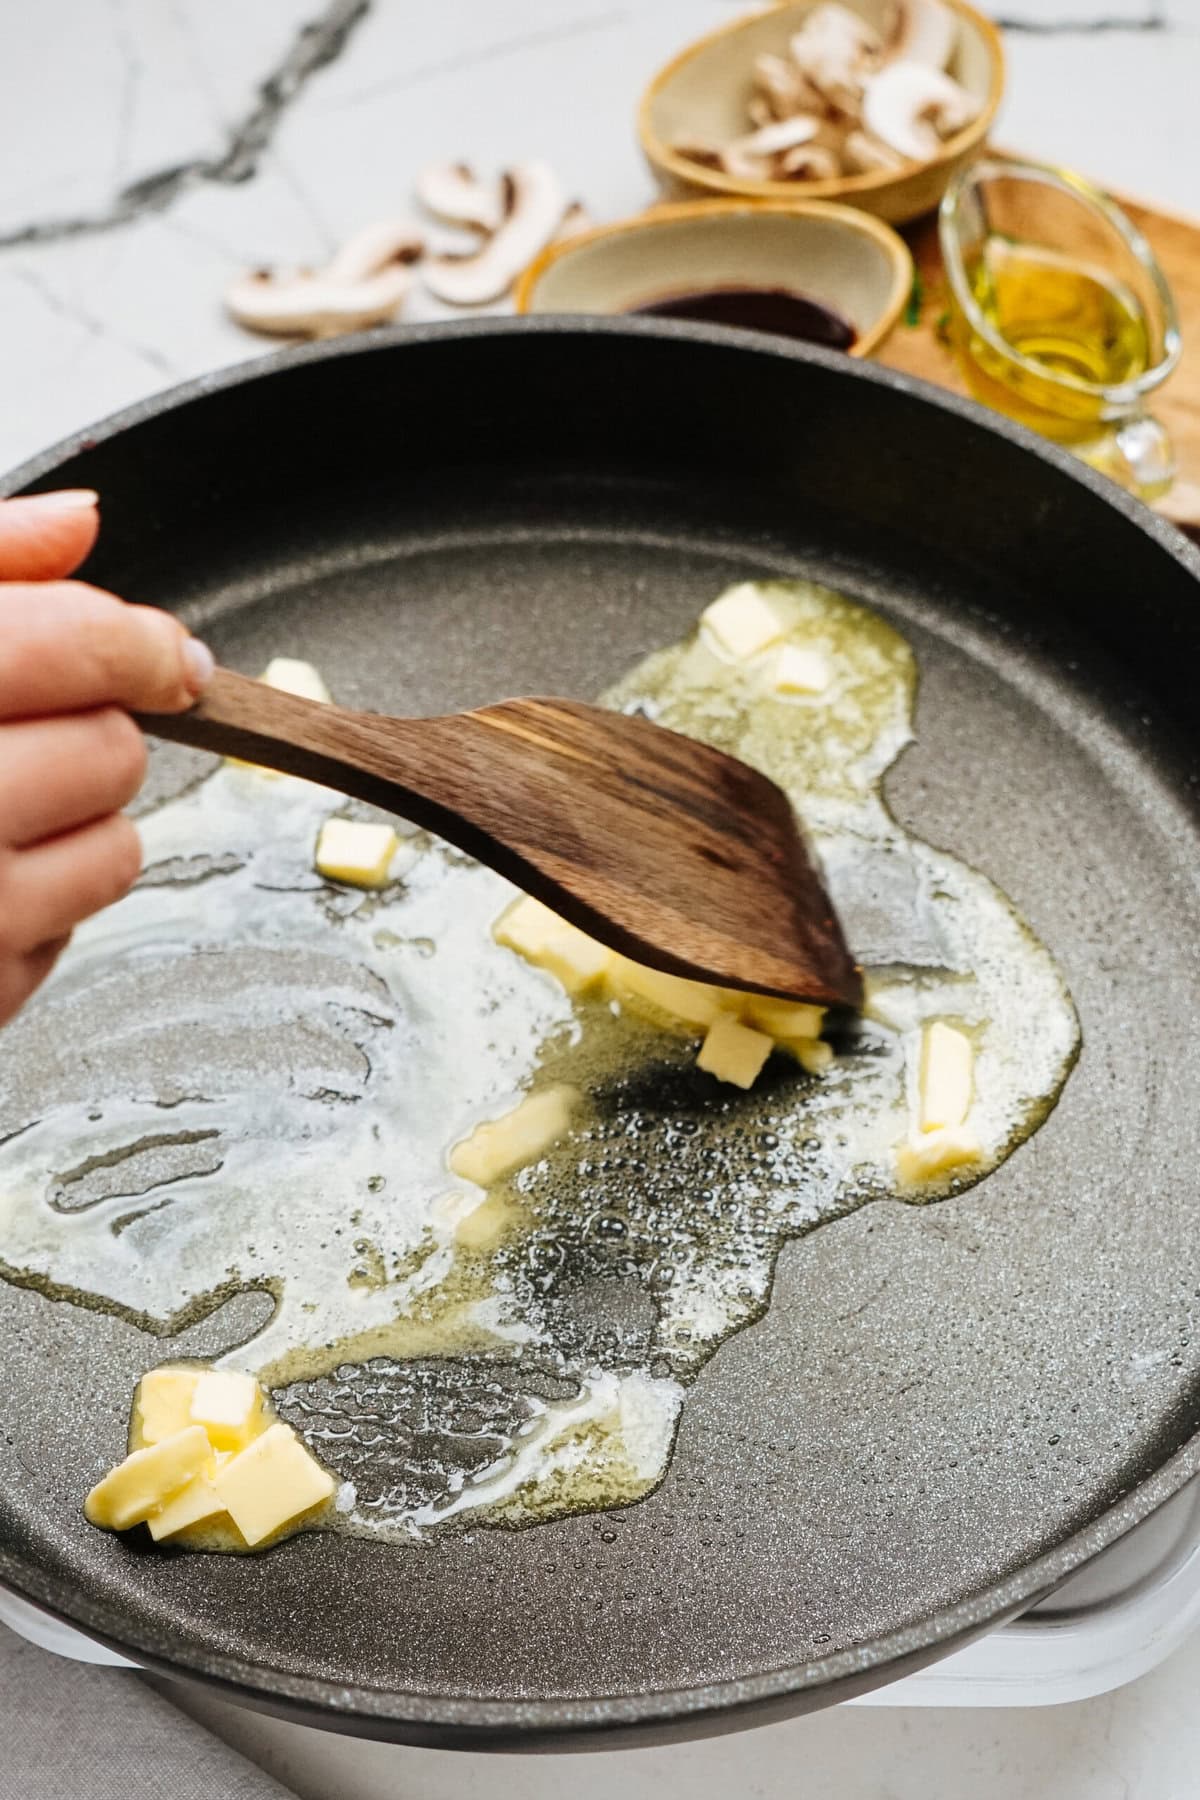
[(757, 309)]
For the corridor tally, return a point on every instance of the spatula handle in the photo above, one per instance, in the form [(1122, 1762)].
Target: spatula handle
[(239, 717), (370, 758)]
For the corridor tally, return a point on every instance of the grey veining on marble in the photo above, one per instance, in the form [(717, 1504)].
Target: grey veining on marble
[(132, 111), (179, 142), (1084, 18)]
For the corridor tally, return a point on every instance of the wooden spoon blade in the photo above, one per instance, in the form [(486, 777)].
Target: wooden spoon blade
[(668, 850)]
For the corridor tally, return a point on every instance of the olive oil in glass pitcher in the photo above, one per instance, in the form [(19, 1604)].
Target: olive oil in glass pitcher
[(1060, 314)]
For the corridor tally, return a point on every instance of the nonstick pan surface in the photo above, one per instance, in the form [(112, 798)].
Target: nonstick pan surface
[(946, 1408)]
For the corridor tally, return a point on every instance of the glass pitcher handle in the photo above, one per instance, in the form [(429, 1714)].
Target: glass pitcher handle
[(1138, 454)]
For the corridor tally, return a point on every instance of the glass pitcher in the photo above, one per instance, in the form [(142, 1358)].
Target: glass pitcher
[(1060, 314)]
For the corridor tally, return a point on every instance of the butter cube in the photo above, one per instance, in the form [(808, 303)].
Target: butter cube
[(354, 852), (138, 1486), (813, 1054), (799, 671), (163, 1403), (922, 1155), (744, 621), (499, 1146), (291, 676), (190, 1506), (271, 1482), (542, 938), (733, 1052), (946, 1079), (668, 1000), (487, 1224), (229, 1406), (783, 1018), (887, 1002)]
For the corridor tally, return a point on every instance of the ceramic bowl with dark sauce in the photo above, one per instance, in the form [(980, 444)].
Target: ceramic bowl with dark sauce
[(808, 270)]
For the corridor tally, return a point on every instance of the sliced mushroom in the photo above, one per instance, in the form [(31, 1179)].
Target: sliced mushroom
[(454, 193), (836, 50), (809, 162), (577, 218), (863, 154), (534, 206), (849, 98), (707, 155), (750, 158), (925, 32), (911, 108), (308, 304), (374, 249), (364, 283), (784, 90)]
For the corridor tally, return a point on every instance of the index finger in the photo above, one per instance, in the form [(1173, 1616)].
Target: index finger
[(46, 536), (66, 647)]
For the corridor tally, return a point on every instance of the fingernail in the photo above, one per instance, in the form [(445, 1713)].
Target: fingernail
[(67, 499), (199, 663)]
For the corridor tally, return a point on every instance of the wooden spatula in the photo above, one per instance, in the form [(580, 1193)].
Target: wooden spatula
[(669, 851)]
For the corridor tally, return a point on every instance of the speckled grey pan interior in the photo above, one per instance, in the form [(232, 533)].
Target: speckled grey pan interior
[(946, 1408)]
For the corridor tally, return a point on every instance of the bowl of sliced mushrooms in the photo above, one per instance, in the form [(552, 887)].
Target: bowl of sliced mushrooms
[(874, 102)]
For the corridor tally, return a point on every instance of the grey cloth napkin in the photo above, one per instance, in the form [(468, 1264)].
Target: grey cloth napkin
[(72, 1731)]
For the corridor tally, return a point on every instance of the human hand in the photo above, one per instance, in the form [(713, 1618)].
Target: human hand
[(72, 661)]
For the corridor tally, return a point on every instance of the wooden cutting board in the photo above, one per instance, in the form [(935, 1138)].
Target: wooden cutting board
[(917, 346)]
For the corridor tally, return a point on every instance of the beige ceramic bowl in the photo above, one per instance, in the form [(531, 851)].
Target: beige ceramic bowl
[(832, 254), (701, 96)]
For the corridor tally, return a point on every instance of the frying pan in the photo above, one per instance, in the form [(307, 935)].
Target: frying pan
[(946, 1408)]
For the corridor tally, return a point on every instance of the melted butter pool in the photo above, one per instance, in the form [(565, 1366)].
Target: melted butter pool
[(242, 1077)]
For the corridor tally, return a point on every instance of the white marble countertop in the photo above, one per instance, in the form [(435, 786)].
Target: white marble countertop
[(182, 141), (152, 149)]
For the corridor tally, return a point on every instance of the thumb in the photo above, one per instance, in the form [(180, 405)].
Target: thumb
[(45, 536)]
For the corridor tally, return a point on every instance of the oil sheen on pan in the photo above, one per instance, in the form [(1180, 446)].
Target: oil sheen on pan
[(246, 1077)]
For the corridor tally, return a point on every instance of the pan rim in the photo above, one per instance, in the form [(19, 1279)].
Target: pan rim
[(568, 1723), (587, 326), (471, 1722)]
